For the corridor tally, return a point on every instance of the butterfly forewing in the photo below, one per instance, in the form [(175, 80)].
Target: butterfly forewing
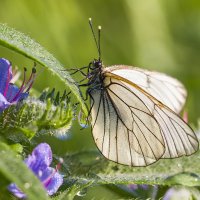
[(164, 88), (123, 126)]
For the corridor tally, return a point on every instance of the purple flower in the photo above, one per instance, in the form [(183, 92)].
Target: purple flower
[(177, 193), (10, 93), (143, 191), (39, 162), (135, 187)]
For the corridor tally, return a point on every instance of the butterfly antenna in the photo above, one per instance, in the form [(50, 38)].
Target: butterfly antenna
[(94, 36), (99, 41)]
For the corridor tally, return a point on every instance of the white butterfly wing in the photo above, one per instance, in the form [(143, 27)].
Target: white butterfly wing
[(179, 138), (123, 127), (133, 128), (164, 88)]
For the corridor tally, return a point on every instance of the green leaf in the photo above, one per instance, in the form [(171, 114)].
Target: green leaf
[(73, 190), (23, 44), (14, 169), (91, 166), (18, 148)]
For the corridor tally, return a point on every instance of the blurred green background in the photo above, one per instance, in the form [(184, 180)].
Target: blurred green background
[(157, 35)]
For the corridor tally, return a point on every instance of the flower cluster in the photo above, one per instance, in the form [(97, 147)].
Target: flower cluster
[(10, 93), (39, 162), (40, 159)]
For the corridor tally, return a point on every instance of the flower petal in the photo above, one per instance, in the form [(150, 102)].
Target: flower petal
[(23, 96), (12, 92), (40, 158), (16, 191), (51, 180), (3, 103), (179, 193), (5, 74)]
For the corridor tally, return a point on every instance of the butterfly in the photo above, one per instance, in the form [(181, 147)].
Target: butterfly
[(134, 113)]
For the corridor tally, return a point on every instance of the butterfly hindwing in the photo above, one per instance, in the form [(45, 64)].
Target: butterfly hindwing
[(123, 127), (179, 138)]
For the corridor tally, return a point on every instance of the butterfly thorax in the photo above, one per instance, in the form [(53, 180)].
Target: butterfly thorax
[(95, 75)]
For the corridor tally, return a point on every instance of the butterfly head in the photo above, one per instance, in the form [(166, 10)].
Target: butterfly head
[(95, 67), (97, 64)]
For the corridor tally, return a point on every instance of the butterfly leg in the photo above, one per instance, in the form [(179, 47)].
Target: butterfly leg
[(75, 70), (89, 112), (81, 70)]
